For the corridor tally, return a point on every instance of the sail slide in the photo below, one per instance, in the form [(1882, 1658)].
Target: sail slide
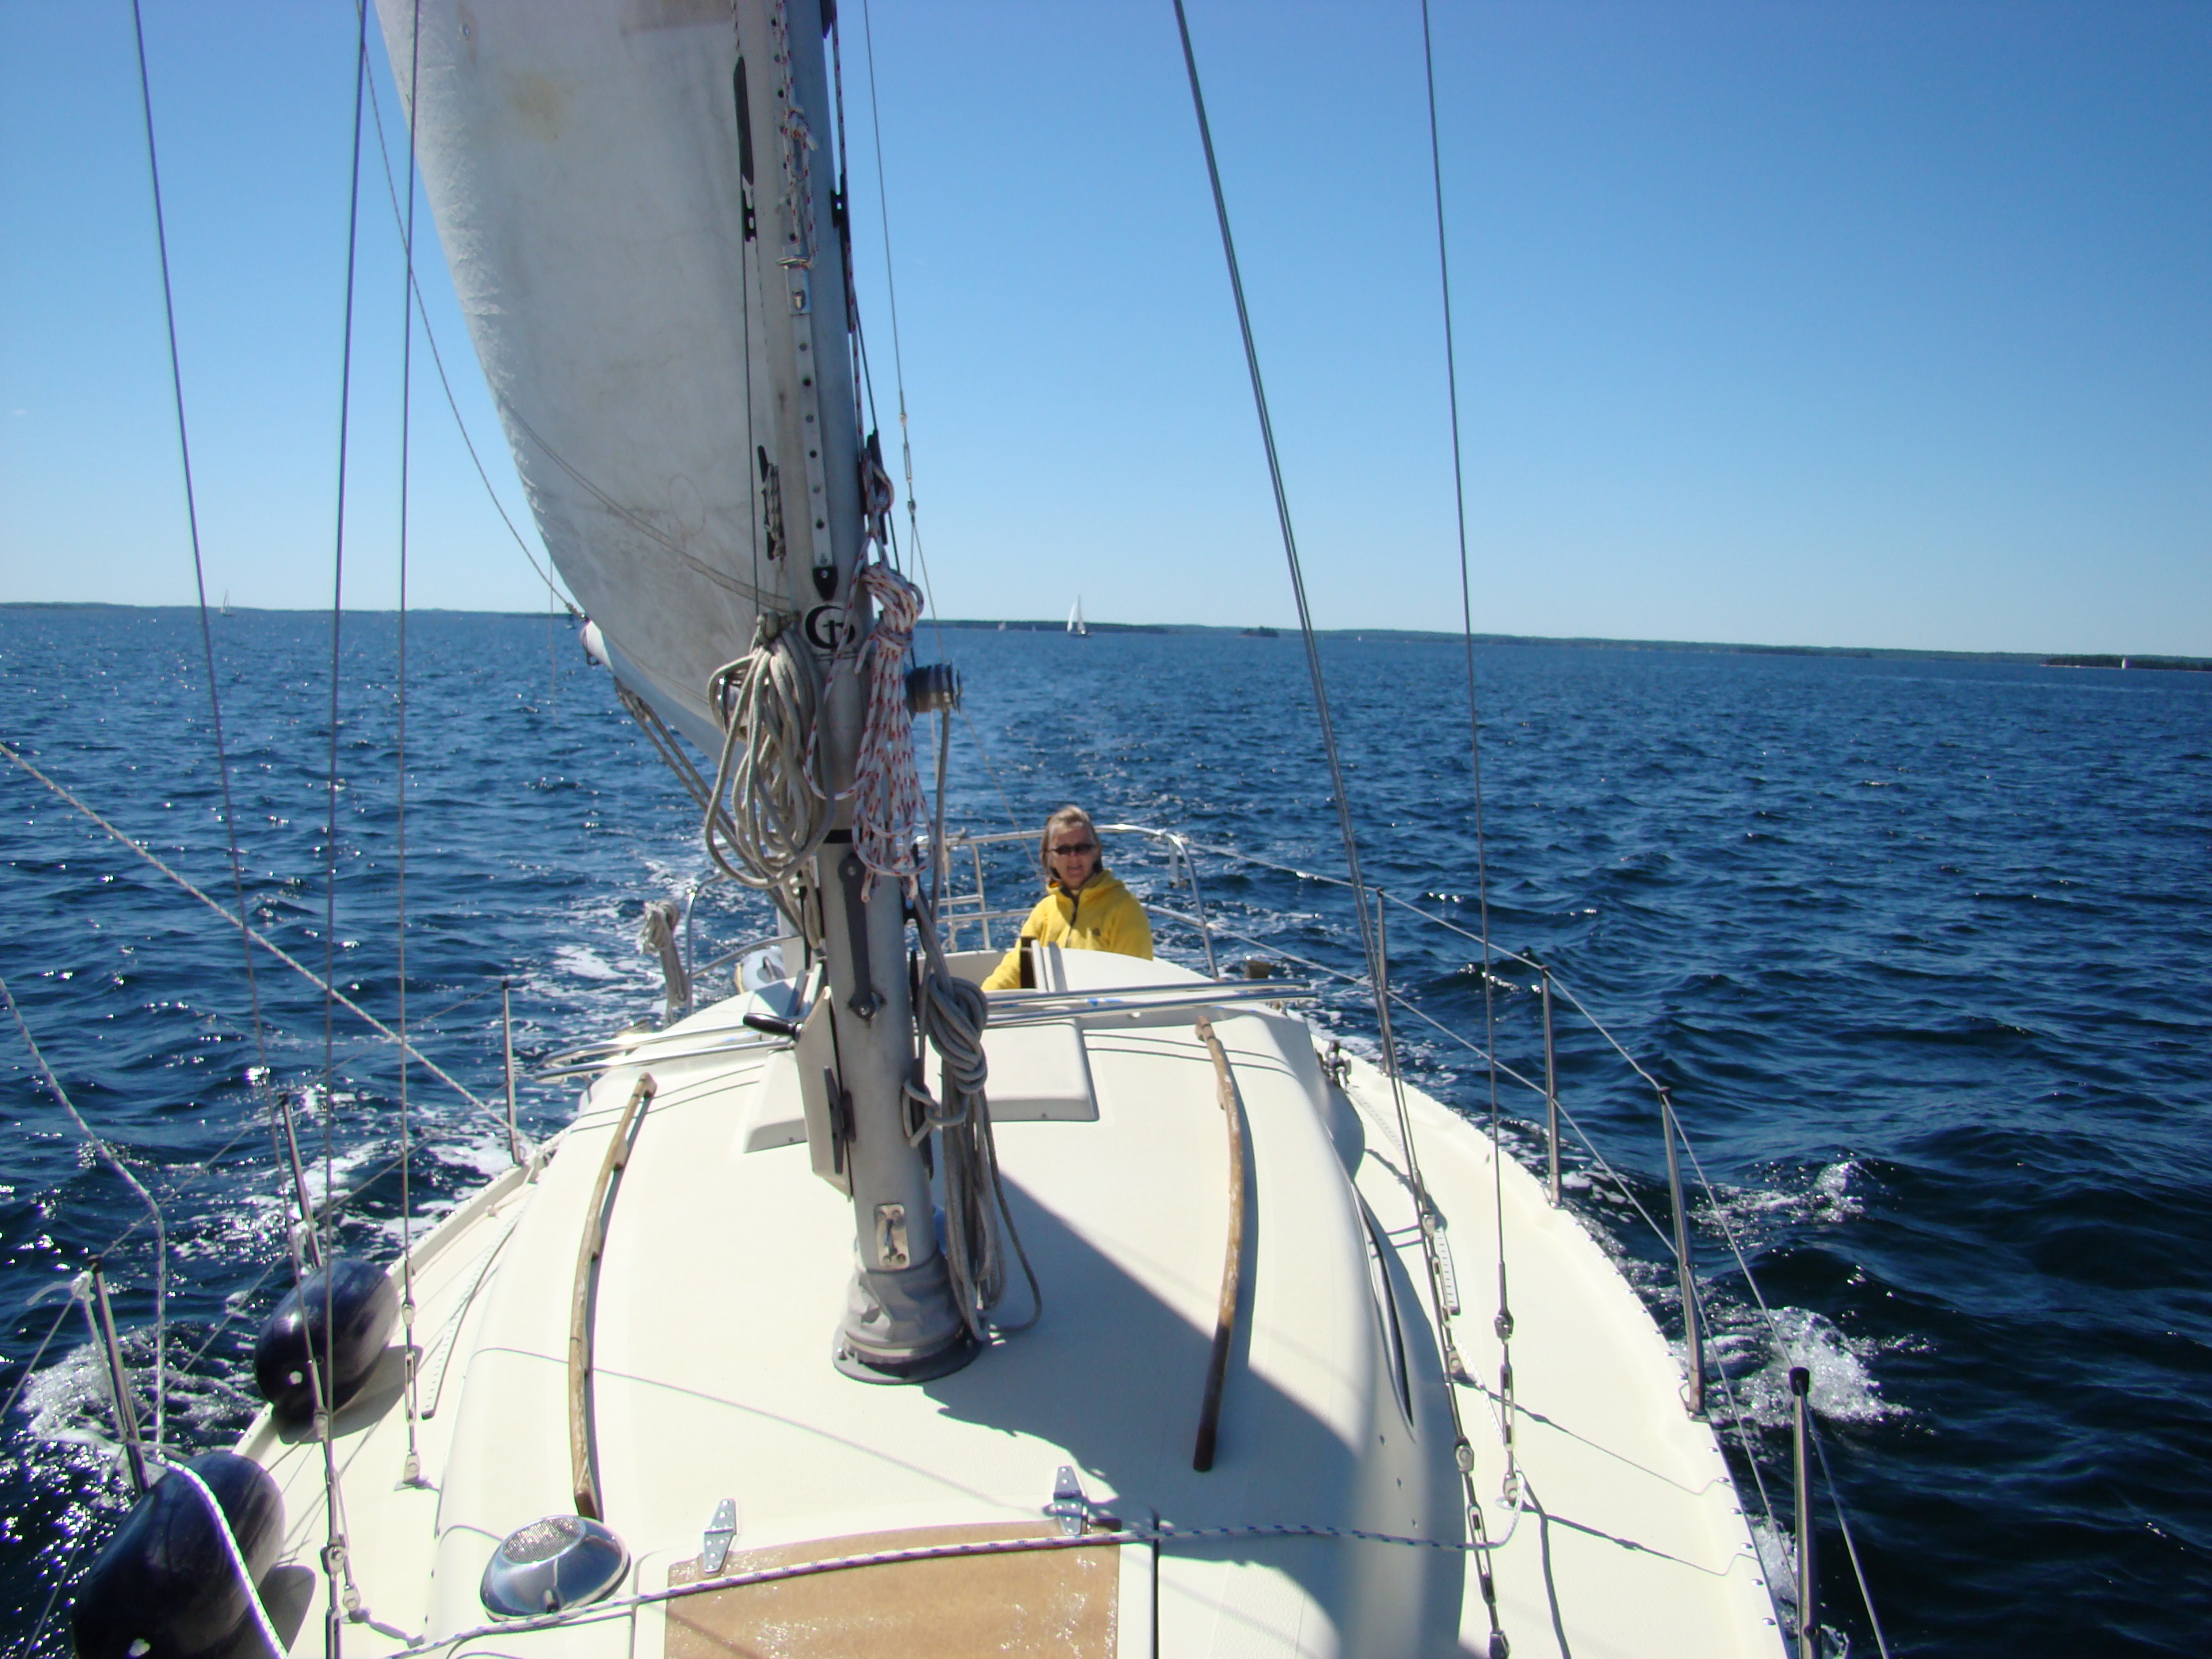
[(596, 198)]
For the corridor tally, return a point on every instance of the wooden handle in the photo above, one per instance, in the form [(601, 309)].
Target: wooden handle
[(1232, 1268), (580, 1307)]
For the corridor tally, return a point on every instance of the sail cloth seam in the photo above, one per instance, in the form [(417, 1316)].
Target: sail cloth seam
[(737, 584)]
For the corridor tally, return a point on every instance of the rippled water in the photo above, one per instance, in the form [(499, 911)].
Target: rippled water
[(1920, 950)]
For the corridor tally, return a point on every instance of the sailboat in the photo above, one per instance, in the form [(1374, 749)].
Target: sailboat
[(868, 1311), (1075, 618)]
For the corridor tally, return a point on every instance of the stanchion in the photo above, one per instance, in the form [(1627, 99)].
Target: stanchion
[(1809, 1582), (126, 1414), (1551, 1095), (507, 1032), (1693, 1347)]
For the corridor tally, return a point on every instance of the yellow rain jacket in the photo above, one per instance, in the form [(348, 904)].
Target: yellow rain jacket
[(1100, 916)]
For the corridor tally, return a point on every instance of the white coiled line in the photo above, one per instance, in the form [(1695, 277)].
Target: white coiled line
[(768, 812)]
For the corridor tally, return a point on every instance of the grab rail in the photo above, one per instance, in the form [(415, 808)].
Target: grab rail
[(582, 1463), (1231, 1100)]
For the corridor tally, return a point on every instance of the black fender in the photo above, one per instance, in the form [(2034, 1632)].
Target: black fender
[(167, 1578), (361, 1304)]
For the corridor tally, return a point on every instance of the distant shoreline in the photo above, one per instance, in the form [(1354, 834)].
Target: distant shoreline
[(1424, 637), (2130, 661)]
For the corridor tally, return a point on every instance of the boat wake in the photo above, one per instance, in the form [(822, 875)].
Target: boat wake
[(1757, 1359)]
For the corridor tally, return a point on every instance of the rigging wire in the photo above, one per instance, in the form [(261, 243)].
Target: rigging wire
[(8, 752), (192, 522), (31, 1365), (334, 1556), (258, 1075), (161, 1231), (413, 1467), (1504, 1320), (890, 292), (1367, 921)]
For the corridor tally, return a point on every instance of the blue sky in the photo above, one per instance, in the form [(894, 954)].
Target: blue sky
[(1832, 324)]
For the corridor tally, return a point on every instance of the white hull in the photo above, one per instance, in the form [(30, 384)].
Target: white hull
[(723, 1277)]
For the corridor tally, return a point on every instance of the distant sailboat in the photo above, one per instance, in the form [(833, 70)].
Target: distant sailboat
[(1075, 618)]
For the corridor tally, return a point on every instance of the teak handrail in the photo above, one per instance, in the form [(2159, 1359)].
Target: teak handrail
[(1232, 1268), (579, 1306)]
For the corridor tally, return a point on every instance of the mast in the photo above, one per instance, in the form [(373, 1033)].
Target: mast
[(901, 1323), (685, 421)]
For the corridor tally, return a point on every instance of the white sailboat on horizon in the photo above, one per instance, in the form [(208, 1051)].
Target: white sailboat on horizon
[(1075, 618)]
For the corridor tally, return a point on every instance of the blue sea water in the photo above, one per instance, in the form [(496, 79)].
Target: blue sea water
[(1923, 951)]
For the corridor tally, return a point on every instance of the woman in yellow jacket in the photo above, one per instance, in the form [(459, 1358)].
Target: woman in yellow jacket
[(1084, 908)]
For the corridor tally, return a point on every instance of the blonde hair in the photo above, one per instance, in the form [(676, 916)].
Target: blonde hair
[(1068, 817)]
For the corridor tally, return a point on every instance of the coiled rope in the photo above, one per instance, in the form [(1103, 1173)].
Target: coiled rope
[(953, 1013), (888, 809), (766, 811)]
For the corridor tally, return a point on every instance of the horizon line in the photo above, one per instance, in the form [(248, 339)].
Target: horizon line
[(2052, 659)]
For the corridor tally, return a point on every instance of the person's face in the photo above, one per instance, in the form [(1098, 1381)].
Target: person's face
[(1074, 855)]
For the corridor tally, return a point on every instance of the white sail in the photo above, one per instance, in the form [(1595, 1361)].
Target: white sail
[(1075, 618), (595, 196)]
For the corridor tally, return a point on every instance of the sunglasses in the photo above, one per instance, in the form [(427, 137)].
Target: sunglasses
[(1072, 848)]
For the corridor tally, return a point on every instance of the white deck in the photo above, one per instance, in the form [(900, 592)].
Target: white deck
[(725, 1274)]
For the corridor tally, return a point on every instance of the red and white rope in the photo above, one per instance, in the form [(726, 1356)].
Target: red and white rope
[(888, 808)]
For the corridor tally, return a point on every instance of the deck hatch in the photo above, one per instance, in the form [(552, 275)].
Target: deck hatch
[(1046, 1601)]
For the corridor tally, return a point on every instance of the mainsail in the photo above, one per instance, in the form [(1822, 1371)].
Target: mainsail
[(630, 205)]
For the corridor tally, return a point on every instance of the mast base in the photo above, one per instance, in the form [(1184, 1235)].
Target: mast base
[(902, 1325)]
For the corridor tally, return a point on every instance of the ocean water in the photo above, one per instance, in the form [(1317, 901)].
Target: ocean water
[(1923, 951)]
